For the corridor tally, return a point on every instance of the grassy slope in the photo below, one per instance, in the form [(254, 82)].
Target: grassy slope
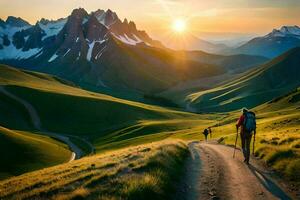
[(142, 172), (66, 109), (113, 123), (278, 133), (271, 80), (23, 151), (149, 69)]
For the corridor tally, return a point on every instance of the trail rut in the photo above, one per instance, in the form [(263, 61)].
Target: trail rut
[(212, 173)]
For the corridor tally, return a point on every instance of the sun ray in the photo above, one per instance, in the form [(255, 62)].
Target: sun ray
[(179, 25)]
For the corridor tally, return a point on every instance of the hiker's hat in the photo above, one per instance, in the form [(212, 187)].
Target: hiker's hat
[(244, 110)]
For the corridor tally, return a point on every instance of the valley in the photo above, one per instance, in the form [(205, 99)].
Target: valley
[(150, 123), (92, 107)]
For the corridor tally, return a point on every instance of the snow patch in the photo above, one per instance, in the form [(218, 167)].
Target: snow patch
[(11, 30), (39, 54), (85, 20), (137, 38), (101, 18), (90, 51), (78, 56), (11, 52), (127, 40), (99, 54), (52, 28), (26, 38), (53, 58), (91, 47), (67, 52)]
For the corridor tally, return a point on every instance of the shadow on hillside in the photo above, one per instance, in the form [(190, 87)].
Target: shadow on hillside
[(268, 183)]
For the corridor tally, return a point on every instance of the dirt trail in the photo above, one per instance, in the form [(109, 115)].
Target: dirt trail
[(212, 173), (36, 121)]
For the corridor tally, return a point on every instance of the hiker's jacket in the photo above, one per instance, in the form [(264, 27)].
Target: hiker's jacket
[(241, 121)]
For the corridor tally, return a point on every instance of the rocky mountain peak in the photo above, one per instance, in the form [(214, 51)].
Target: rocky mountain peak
[(2, 23), (16, 21), (95, 30), (110, 17), (132, 25), (98, 12), (295, 30), (79, 13), (44, 21), (125, 21)]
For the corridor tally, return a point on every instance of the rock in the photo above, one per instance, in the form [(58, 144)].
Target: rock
[(211, 193)]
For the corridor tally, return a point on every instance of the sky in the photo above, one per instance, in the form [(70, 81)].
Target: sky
[(204, 18)]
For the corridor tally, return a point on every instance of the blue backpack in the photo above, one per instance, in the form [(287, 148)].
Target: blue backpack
[(250, 122)]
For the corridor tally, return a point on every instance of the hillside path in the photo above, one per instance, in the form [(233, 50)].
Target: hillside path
[(36, 121), (212, 173)]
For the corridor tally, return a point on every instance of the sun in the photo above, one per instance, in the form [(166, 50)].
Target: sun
[(179, 25)]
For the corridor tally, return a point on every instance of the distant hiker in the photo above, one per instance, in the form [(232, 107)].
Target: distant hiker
[(205, 133), (210, 132), (247, 122)]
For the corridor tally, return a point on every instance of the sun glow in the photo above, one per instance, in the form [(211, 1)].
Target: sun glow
[(179, 25)]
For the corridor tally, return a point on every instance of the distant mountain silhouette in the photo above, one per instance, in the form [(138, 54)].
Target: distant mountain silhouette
[(272, 44)]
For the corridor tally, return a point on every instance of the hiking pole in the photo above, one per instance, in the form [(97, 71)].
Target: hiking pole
[(253, 143), (237, 135)]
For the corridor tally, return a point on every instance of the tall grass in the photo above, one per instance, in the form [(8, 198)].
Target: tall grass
[(143, 172)]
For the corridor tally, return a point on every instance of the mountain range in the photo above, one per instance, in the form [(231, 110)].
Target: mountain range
[(190, 42), (100, 52), (271, 45)]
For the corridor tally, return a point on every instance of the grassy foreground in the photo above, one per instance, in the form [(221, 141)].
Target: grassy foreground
[(142, 172), (23, 151)]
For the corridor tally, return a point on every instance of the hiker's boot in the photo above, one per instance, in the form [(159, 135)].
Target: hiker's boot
[(247, 161)]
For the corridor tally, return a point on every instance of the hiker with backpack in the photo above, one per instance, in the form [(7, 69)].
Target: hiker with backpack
[(247, 122), (205, 133)]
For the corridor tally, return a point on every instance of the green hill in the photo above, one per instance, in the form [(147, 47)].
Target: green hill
[(111, 123), (66, 109), (269, 81), (104, 121), (23, 151)]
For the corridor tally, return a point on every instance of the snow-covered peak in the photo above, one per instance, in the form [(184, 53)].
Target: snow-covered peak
[(16, 22), (9, 31), (52, 28), (292, 31), (13, 25)]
